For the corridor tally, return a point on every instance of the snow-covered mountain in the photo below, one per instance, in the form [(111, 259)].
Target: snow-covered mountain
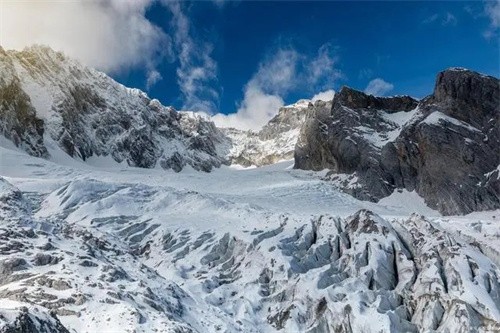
[(91, 245), (52, 103), (276, 140)]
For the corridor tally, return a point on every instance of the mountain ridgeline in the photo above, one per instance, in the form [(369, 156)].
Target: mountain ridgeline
[(446, 147)]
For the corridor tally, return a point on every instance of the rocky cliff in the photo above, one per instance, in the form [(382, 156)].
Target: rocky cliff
[(446, 146)]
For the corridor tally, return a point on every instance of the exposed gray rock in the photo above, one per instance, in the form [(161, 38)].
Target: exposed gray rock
[(19, 122), (58, 284), (11, 202), (88, 263), (446, 147), (8, 269), (42, 259), (289, 118)]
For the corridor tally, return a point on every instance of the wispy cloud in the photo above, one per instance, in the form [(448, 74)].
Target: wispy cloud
[(153, 77), (365, 73), (197, 71), (322, 69), (274, 77), (492, 11), (447, 19), (430, 19), (111, 35), (285, 71), (378, 87), (326, 95), (277, 74)]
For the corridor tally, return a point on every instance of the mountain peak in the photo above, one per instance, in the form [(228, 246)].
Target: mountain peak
[(355, 99), (469, 96), (464, 84)]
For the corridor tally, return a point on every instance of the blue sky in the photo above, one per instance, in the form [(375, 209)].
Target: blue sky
[(403, 43), (251, 57)]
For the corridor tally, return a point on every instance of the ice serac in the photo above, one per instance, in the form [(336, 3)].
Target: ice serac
[(446, 146), (51, 101)]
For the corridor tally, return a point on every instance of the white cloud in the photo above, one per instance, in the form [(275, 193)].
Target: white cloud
[(378, 87), (285, 71), (219, 3), (326, 95), (365, 74), (430, 19), (492, 11), (449, 20), (322, 69), (262, 100), (276, 75), (197, 71), (153, 77), (255, 111), (109, 35)]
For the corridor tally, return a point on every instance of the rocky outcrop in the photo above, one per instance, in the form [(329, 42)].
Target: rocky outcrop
[(289, 118), (348, 138), (34, 320), (446, 146), (450, 154)]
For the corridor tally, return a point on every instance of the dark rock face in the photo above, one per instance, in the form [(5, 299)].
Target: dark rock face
[(447, 148), (354, 99), (450, 157), (19, 121), (348, 139), (468, 96)]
